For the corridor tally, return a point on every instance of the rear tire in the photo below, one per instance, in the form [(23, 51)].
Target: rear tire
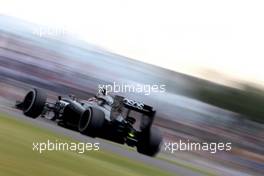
[(92, 122), (149, 143), (34, 103)]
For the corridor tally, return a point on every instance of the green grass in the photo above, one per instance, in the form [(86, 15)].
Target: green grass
[(17, 157)]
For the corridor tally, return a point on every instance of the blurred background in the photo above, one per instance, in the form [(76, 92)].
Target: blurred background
[(205, 99)]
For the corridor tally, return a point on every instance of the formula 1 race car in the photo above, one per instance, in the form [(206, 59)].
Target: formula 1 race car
[(117, 119)]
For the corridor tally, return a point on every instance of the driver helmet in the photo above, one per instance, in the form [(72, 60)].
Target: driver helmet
[(102, 94), (102, 91)]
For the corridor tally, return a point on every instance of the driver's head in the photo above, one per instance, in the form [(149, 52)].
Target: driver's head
[(102, 91)]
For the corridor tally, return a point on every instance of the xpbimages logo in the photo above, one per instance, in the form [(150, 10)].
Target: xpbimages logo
[(79, 147), (146, 89), (211, 147)]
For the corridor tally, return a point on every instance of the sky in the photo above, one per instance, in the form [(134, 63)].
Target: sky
[(199, 38)]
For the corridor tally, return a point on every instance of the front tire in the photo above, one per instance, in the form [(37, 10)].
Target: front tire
[(149, 143), (34, 103), (91, 122)]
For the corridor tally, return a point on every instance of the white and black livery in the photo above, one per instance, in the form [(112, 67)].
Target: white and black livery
[(117, 119)]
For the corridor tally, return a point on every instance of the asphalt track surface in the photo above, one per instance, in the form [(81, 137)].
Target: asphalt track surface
[(105, 145)]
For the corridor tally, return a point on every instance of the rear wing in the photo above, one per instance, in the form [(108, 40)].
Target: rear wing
[(140, 107), (147, 111)]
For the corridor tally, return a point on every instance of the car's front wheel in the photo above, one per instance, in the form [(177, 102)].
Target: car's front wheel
[(34, 103)]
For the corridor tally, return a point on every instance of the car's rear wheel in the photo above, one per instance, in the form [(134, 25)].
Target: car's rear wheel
[(149, 142), (91, 122), (34, 102)]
